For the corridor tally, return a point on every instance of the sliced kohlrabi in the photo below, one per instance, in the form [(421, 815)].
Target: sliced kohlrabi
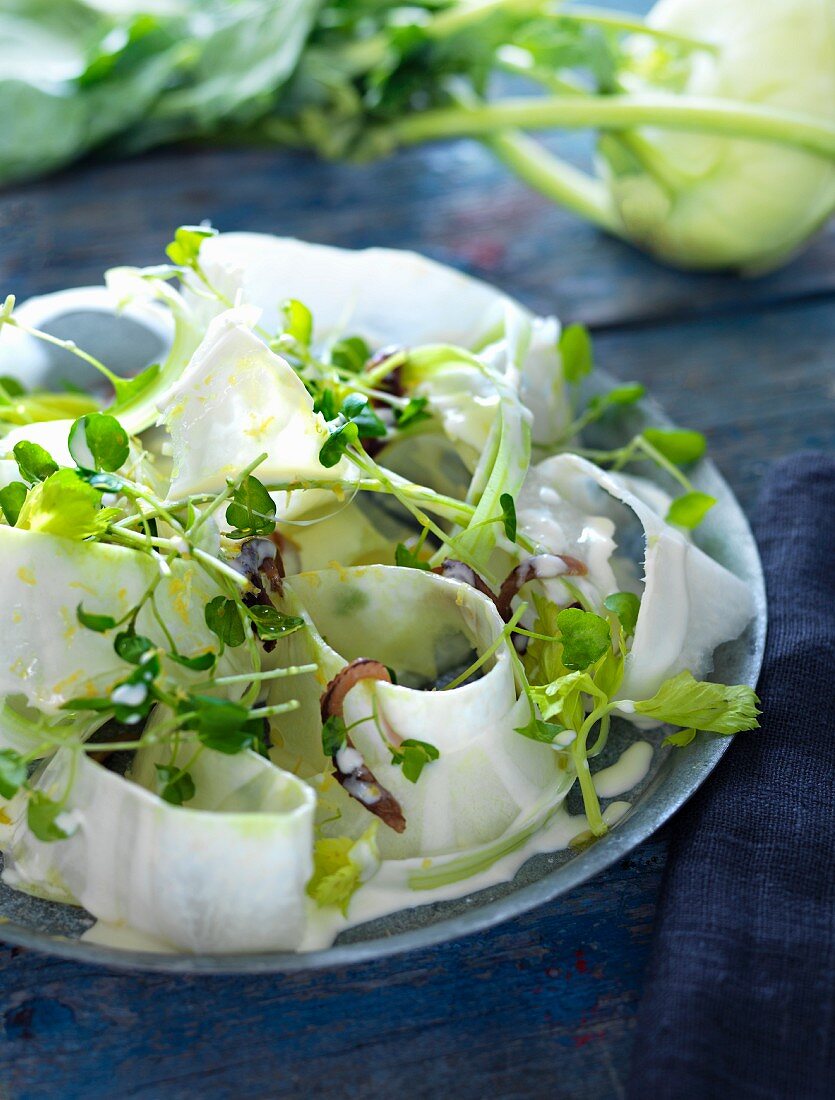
[(29, 731), (690, 603), (395, 299), (235, 401), (48, 656), (225, 873), (427, 629)]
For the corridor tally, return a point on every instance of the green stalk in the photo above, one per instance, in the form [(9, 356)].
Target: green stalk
[(725, 117), (618, 21), (556, 179)]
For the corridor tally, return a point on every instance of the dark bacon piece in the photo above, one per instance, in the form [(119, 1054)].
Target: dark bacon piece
[(391, 383), (350, 769), (542, 567), (261, 563)]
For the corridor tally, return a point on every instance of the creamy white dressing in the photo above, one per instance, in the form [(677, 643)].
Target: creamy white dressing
[(626, 773)]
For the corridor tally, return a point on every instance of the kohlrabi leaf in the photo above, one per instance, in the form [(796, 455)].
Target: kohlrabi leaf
[(351, 353), (340, 865), (223, 619), (12, 497), (34, 462), (13, 772), (270, 623), (340, 439), (357, 408), (251, 510), (680, 738), (188, 240), (414, 413), (175, 786), (508, 516), (408, 559), (412, 756), (99, 442), (690, 509), (717, 708), (539, 730), (298, 321), (334, 735), (626, 606), (585, 637), (66, 505), (41, 815), (99, 623), (576, 351), (679, 445)]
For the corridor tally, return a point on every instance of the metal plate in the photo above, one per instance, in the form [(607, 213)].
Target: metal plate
[(673, 777)]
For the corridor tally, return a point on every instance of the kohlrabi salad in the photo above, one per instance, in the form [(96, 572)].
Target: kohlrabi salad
[(324, 614)]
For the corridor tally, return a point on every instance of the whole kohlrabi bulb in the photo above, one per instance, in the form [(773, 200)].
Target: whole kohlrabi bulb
[(701, 201)]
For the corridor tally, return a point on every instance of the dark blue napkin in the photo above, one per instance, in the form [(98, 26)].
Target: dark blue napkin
[(740, 995)]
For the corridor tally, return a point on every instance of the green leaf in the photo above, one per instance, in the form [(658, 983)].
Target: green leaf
[(270, 623), (13, 772), (12, 497), (357, 408), (132, 647), (202, 663), (334, 735), (176, 786), (41, 813), (690, 509), (413, 413), (221, 724), (325, 404), (298, 321), (223, 618), (251, 510), (413, 756), (185, 248), (539, 730), (99, 442), (128, 390), (350, 354), (100, 623), (337, 444), (34, 463), (627, 394), (67, 505), (585, 637), (624, 605), (338, 867), (576, 351), (408, 559), (680, 738), (11, 387), (679, 445), (717, 708), (508, 515)]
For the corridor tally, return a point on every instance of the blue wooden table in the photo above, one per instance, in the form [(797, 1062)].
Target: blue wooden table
[(544, 1004)]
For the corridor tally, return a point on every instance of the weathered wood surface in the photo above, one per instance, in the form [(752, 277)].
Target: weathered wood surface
[(544, 1005)]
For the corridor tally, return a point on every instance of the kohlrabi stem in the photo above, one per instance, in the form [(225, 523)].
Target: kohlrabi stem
[(725, 117), (556, 179), (619, 21), (520, 62)]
